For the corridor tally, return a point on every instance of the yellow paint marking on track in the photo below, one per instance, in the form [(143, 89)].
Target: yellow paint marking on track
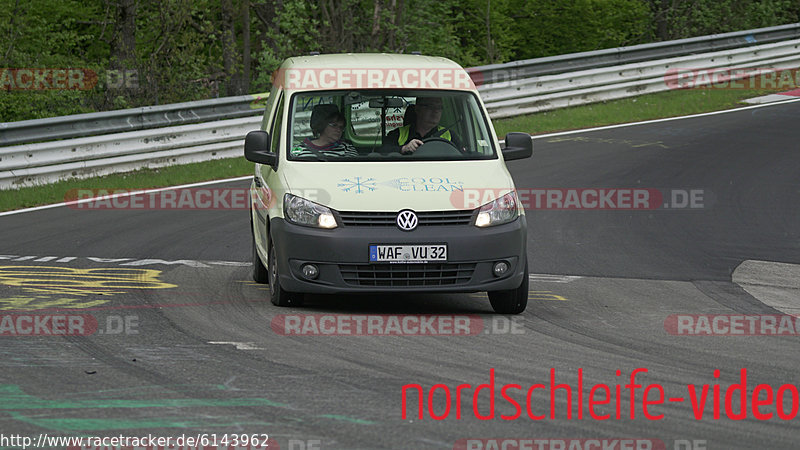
[(38, 303), (545, 295), (67, 280), (532, 295), (259, 286)]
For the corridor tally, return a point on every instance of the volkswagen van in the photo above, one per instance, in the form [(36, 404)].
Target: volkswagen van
[(341, 203)]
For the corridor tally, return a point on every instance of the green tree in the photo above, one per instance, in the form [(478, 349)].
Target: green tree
[(42, 34), (554, 27), (676, 19), (182, 50)]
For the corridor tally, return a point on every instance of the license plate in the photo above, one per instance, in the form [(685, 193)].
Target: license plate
[(407, 253)]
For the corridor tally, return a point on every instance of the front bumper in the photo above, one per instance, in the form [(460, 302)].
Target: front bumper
[(342, 256)]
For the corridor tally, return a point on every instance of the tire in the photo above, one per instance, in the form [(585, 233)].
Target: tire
[(277, 295), (511, 301), (260, 274)]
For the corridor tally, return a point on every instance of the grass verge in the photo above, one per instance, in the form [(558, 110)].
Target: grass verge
[(139, 179), (634, 109), (645, 107)]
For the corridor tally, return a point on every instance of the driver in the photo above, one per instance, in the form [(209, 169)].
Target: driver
[(426, 125)]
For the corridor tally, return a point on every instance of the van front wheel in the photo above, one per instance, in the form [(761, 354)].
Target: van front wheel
[(260, 274), (511, 301), (277, 295)]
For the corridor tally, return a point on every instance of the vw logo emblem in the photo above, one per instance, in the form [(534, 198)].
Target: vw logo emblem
[(407, 220)]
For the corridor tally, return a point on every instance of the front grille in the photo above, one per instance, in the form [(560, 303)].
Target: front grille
[(399, 275), (387, 219)]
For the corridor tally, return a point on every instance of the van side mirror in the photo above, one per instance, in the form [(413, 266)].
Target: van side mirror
[(256, 148), (518, 146)]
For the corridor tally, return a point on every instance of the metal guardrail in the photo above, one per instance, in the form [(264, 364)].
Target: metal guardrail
[(29, 164), (134, 143), (497, 73), (93, 124), (541, 93)]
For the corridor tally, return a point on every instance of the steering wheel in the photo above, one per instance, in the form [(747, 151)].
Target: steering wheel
[(435, 150), (440, 139)]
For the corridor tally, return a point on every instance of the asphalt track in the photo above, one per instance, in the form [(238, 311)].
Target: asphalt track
[(204, 359)]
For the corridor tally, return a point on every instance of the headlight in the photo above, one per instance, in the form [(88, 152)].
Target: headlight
[(304, 212), (499, 211)]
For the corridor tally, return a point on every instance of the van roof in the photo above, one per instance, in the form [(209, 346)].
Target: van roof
[(372, 71), (370, 60)]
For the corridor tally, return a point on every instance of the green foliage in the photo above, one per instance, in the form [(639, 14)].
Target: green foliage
[(195, 49), (294, 31), (43, 34), (555, 27), (702, 17), (429, 27), (41, 104), (488, 32), (178, 52)]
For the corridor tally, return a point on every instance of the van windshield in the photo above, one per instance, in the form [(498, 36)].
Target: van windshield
[(376, 125)]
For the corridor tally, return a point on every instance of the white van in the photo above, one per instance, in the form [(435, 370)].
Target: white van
[(382, 173)]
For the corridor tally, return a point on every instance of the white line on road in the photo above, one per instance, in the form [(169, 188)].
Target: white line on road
[(239, 345), (773, 283), (547, 278)]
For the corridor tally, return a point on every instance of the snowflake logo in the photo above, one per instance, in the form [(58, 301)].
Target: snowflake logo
[(358, 185)]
